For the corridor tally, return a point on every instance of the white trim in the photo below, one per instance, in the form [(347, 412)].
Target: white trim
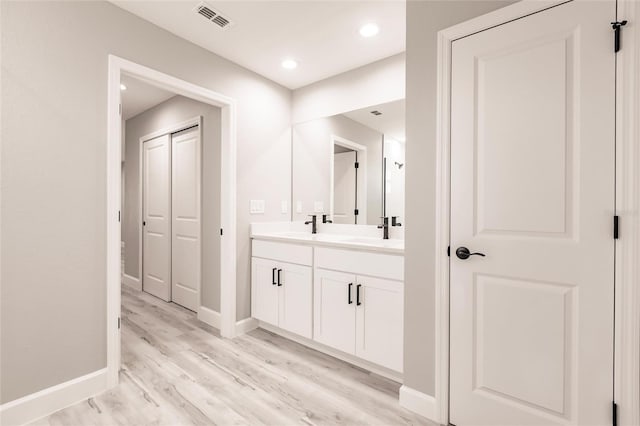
[(133, 282), (362, 176), (418, 402), (209, 316), (351, 359), (246, 325), (47, 401), (627, 362), (445, 38), (169, 130), (116, 67)]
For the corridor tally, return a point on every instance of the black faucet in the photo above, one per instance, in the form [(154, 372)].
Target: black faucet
[(394, 221), (314, 223), (384, 227), (325, 220)]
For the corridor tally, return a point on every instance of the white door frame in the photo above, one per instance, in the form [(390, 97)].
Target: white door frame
[(362, 175), (116, 68), (174, 128), (627, 300)]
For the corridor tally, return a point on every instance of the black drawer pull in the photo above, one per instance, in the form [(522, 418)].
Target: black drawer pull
[(349, 299), (358, 294), (279, 282), (273, 276)]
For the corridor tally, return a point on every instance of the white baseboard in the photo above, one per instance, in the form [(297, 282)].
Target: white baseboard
[(351, 359), (418, 402), (209, 316), (47, 401), (132, 282), (246, 325)]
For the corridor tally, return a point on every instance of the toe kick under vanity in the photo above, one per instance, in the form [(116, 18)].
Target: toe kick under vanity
[(340, 294)]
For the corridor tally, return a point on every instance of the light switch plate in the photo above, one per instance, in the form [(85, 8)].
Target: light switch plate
[(284, 207), (257, 207), (318, 207), (299, 207)]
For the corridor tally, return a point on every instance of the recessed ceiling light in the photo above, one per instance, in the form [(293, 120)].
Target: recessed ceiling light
[(123, 87), (369, 30), (289, 64)]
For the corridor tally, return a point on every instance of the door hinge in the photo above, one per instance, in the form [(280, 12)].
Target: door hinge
[(449, 251), (616, 227), (614, 413), (118, 215), (617, 30), (118, 323), (357, 165), (221, 231), (120, 109), (356, 212)]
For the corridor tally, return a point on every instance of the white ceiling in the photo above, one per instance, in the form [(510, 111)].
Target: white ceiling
[(322, 36), (140, 97), (391, 123)]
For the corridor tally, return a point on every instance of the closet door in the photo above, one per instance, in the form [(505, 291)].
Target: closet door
[(156, 213), (186, 238)]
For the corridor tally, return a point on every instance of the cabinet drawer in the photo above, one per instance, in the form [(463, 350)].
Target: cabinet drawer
[(283, 252), (361, 263)]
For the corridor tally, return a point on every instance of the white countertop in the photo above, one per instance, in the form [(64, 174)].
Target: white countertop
[(368, 243)]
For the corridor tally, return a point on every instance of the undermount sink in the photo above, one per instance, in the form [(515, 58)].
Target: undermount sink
[(294, 234), (371, 240)]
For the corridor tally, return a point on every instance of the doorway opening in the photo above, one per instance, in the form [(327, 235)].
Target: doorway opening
[(185, 137), (348, 186)]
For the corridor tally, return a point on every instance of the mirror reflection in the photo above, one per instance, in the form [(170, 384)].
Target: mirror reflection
[(351, 166)]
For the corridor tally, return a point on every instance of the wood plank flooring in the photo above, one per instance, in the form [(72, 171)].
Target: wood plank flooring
[(177, 370)]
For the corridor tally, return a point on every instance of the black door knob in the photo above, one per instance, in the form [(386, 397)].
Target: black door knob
[(463, 253)]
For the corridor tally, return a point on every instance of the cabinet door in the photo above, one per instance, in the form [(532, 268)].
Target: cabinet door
[(379, 322), (264, 290), (296, 304), (334, 310)]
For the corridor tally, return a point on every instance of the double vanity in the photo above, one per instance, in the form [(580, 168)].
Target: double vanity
[(339, 291), (339, 287)]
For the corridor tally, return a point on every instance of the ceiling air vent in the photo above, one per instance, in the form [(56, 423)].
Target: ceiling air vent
[(376, 112), (213, 15)]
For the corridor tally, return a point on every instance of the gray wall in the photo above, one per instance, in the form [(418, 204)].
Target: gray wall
[(311, 163), (168, 113), (53, 173), (424, 20)]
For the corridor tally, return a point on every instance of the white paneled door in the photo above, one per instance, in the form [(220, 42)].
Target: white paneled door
[(156, 211), (532, 188), (171, 264), (185, 212), (344, 187)]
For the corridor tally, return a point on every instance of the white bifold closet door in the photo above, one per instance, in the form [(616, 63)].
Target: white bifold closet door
[(172, 218), (185, 218), (156, 213)]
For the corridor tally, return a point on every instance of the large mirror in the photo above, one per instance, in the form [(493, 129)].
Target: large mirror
[(351, 166)]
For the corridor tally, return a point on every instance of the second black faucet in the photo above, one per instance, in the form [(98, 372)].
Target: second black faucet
[(314, 223)]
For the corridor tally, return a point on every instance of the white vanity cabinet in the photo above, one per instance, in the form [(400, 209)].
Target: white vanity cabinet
[(356, 313), (281, 291), (347, 302)]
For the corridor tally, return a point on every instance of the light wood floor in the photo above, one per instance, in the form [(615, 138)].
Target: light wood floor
[(177, 370)]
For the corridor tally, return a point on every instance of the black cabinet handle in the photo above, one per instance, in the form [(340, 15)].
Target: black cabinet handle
[(350, 300), (358, 295), (279, 282), (273, 276)]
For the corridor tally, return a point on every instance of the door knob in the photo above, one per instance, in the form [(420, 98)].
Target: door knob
[(463, 253)]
